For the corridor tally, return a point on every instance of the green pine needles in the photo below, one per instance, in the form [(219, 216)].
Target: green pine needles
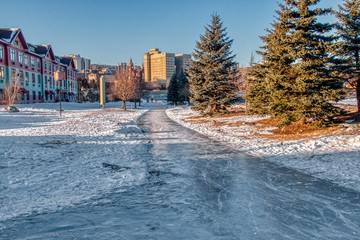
[(173, 90), (178, 91), (212, 73), (348, 31), (297, 78)]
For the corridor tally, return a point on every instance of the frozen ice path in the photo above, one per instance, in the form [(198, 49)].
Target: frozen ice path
[(195, 188)]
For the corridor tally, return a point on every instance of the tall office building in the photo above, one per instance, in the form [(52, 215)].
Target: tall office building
[(147, 66), (87, 64), (80, 62), (182, 62), (159, 66)]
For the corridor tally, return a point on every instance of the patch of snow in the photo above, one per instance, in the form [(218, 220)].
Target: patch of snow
[(48, 162)]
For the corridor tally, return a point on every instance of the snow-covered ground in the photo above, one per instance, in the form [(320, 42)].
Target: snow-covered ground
[(333, 157), (48, 162)]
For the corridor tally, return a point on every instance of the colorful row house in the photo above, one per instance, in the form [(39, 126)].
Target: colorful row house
[(30, 68)]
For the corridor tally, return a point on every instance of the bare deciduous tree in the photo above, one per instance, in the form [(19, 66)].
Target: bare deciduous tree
[(124, 88), (11, 93), (138, 88)]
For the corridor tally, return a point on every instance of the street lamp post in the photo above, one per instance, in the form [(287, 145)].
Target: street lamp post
[(58, 77), (102, 92), (59, 96)]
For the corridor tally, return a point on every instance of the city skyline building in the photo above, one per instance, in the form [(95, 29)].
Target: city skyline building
[(182, 62), (81, 63)]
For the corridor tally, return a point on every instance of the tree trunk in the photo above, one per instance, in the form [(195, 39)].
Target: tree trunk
[(357, 67), (124, 105), (135, 103), (358, 95)]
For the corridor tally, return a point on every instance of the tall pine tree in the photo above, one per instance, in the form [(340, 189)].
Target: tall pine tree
[(212, 71), (173, 94), (348, 30), (270, 85), (297, 79), (317, 82), (184, 92)]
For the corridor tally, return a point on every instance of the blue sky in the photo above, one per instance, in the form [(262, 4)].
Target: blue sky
[(113, 31)]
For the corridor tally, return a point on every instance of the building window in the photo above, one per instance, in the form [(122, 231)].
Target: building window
[(26, 76), (33, 78), (1, 72), (20, 57), (12, 54), (1, 51), (32, 62), (39, 79), (45, 66), (38, 63), (26, 59), (34, 95)]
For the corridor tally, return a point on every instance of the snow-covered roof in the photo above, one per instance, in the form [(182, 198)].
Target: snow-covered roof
[(7, 35), (68, 61)]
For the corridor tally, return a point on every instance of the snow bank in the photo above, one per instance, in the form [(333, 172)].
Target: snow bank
[(335, 157)]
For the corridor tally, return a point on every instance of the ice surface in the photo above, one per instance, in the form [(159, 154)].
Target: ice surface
[(333, 157)]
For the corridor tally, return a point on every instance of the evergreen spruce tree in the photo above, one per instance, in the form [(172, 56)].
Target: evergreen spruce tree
[(212, 71), (349, 32), (317, 83), (184, 92), (270, 84), (297, 80), (173, 94)]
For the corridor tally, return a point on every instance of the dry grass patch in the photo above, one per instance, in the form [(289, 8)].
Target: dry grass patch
[(295, 131), (299, 130), (269, 122), (239, 124), (217, 123)]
